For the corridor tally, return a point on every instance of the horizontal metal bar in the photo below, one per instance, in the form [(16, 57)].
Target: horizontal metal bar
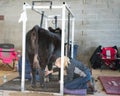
[(48, 7), (44, 7), (39, 12), (59, 19)]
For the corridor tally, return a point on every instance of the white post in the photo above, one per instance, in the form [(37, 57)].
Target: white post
[(46, 23), (23, 49), (73, 26), (62, 52)]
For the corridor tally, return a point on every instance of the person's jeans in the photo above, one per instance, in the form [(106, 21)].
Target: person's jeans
[(80, 82)]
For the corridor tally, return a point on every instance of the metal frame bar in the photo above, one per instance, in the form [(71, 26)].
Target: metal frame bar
[(73, 31), (62, 52), (43, 7), (63, 7), (23, 51)]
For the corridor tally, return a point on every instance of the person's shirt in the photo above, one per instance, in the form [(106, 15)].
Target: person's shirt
[(75, 68)]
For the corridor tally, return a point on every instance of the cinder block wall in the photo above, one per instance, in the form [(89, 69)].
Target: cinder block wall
[(97, 23)]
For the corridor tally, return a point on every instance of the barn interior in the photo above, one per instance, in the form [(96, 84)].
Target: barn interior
[(97, 23)]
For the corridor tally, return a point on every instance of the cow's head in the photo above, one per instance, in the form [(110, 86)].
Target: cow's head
[(57, 30)]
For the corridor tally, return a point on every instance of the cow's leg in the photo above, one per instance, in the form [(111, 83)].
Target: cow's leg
[(50, 59), (50, 68), (33, 70), (42, 76), (57, 54), (33, 82)]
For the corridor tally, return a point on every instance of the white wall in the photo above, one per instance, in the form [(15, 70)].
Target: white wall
[(97, 22)]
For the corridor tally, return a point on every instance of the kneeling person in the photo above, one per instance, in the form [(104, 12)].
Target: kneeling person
[(77, 75)]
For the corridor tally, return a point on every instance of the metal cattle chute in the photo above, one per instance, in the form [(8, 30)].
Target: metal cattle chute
[(63, 8)]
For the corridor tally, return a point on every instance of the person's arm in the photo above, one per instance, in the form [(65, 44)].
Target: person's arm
[(48, 72), (79, 64), (51, 71), (79, 72)]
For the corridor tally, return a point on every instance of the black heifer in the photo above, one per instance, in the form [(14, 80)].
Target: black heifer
[(42, 47)]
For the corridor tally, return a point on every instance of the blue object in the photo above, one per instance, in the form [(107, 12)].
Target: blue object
[(75, 48), (82, 92), (27, 68)]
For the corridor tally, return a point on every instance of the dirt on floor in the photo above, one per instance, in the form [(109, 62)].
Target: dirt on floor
[(10, 76), (100, 91)]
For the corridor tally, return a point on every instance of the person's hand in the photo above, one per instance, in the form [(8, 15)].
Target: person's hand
[(48, 72)]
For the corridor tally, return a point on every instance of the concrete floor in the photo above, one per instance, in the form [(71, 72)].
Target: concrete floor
[(100, 92)]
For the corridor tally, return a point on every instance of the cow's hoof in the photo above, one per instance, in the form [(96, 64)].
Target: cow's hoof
[(42, 85), (33, 86)]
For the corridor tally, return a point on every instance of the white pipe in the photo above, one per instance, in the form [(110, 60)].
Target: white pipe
[(72, 46), (68, 8), (44, 7), (26, 6), (46, 23), (37, 11), (53, 16), (23, 52), (58, 19), (62, 52), (48, 7)]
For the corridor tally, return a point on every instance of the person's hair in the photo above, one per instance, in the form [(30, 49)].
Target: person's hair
[(66, 61)]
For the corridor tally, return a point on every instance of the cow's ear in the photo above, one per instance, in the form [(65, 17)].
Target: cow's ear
[(58, 30), (51, 29)]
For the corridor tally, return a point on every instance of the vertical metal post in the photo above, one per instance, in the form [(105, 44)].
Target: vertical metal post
[(46, 23), (62, 52), (41, 22), (72, 46), (68, 37), (55, 21), (23, 50)]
